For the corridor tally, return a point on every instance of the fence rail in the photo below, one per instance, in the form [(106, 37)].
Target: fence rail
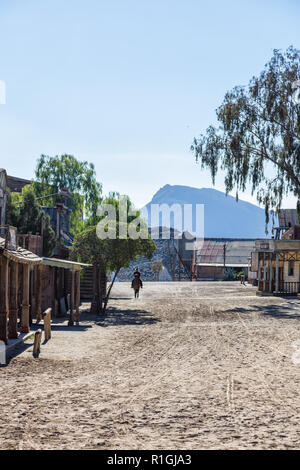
[(288, 287)]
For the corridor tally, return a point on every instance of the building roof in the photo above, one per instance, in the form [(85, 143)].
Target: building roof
[(63, 263), (287, 218), (237, 252), (19, 255), (16, 184)]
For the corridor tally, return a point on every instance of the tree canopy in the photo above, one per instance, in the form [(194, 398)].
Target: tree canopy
[(111, 254), (65, 171), (25, 213), (257, 141)]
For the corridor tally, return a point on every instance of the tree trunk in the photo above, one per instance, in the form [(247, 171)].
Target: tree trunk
[(109, 290), (94, 301), (298, 210), (99, 293)]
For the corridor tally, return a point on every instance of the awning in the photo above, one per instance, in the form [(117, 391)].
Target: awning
[(19, 255), (220, 265), (65, 264)]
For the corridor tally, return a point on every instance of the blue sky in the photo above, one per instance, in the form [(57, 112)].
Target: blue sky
[(127, 84)]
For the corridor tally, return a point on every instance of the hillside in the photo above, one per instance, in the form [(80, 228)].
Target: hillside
[(223, 215)]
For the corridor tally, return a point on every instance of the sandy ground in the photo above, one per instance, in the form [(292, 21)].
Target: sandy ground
[(186, 366)]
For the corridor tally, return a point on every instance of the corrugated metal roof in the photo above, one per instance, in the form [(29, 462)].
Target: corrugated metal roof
[(237, 252)]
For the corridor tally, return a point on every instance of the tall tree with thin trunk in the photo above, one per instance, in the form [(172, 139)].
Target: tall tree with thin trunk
[(108, 255), (257, 142)]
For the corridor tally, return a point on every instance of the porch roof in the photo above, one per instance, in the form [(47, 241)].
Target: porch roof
[(221, 265), (63, 263), (19, 255)]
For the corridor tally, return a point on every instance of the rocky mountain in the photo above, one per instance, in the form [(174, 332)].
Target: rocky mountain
[(224, 217)]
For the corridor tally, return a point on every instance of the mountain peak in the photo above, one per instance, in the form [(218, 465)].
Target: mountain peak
[(224, 217)]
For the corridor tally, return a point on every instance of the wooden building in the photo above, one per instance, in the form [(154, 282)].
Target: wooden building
[(16, 264), (217, 257), (277, 263), (30, 284), (60, 287), (277, 260)]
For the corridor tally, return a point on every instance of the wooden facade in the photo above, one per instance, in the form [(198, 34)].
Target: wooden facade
[(15, 268), (277, 263)]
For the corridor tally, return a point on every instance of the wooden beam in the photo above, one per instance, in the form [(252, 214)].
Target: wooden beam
[(271, 272), (47, 324), (77, 316), (71, 318), (265, 273), (13, 301), (39, 294), (25, 299), (3, 298), (277, 274), (37, 343)]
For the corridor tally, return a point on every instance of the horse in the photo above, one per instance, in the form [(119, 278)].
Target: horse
[(136, 285)]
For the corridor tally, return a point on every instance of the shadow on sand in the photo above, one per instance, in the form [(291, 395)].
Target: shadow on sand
[(117, 317), (287, 311)]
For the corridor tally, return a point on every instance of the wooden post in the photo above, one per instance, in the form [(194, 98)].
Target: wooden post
[(25, 299), (13, 301), (37, 343), (52, 289), (39, 294), (77, 316), (47, 324), (71, 319), (94, 301), (265, 273), (3, 298), (271, 272), (277, 274)]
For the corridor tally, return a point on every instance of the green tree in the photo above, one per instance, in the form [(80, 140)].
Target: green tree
[(110, 254), (65, 171), (157, 267), (257, 141), (25, 213)]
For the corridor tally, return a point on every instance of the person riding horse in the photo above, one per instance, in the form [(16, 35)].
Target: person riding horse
[(136, 283)]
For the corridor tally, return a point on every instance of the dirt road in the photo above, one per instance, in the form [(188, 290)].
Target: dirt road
[(186, 366)]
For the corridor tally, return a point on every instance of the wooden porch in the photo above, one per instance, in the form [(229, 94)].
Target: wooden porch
[(272, 268)]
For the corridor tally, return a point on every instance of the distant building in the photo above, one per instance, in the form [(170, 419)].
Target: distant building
[(277, 260), (59, 217), (218, 256)]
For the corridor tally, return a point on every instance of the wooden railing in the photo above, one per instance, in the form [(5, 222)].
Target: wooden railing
[(288, 287)]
